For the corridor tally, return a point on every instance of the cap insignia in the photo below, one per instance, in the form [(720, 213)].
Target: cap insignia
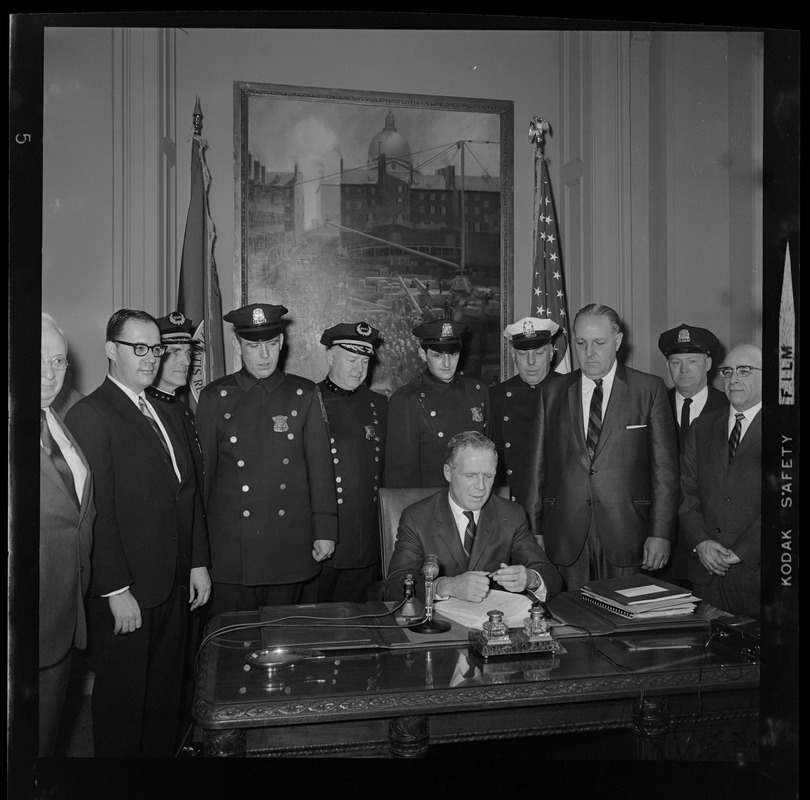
[(363, 329), (258, 316), (176, 318), (447, 330), (683, 335), (528, 328)]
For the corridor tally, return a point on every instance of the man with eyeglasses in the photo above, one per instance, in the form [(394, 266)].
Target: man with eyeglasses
[(66, 515), (720, 505), (150, 555), (269, 483)]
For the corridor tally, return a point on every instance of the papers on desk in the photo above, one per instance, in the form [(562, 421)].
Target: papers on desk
[(515, 608), (640, 595)]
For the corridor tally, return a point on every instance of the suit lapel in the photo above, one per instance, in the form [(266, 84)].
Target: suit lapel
[(721, 438), (575, 412), (132, 413), (753, 436), (613, 413), (448, 533), (84, 500), (483, 536)]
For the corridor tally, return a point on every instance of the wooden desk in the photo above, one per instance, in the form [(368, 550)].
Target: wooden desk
[(696, 705)]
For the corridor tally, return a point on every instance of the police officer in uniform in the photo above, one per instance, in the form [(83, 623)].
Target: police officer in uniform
[(514, 401), (357, 420), (172, 380), (688, 351), (428, 411), (269, 483)]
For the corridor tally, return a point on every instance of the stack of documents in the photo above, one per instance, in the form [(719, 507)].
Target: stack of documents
[(515, 608), (640, 596)]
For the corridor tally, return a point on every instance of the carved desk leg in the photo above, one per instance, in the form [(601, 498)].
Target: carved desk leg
[(225, 743), (408, 736), (650, 724)]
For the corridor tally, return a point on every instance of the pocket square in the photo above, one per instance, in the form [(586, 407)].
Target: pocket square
[(632, 427)]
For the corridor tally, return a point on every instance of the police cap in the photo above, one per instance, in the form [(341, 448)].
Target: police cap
[(256, 322), (356, 337), (441, 335), (687, 339), (530, 333), (175, 328)]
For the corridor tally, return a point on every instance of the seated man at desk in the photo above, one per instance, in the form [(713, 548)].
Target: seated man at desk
[(475, 535)]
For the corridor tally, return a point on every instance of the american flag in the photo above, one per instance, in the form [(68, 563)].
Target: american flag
[(198, 295), (548, 284)]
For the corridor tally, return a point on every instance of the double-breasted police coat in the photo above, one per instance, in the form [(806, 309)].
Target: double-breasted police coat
[(357, 422), (423, 416), (269, 482), (514, 407)]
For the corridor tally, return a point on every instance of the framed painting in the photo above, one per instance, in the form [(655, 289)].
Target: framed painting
[(390, 209)]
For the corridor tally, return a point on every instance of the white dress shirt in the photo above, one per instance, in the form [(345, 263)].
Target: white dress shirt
[(699, 401)]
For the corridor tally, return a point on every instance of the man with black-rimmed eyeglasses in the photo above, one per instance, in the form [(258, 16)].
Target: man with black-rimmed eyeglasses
[(150, 555), (720, 506)]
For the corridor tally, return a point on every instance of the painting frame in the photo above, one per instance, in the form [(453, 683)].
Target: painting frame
[(336, 232)]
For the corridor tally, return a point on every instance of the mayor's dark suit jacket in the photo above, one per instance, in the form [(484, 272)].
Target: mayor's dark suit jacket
[(502, 535), (722, 500), (632, 484), (65, 541), (149, 527)]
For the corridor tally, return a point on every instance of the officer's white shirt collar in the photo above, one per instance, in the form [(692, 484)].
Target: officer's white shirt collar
[(699, 401)]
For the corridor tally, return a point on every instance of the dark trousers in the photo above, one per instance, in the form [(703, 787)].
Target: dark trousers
[(591, 564), (138, 679), (53, 684), (346, 585), (227, 598)]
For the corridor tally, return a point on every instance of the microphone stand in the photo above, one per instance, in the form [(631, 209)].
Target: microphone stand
[(430, 625)]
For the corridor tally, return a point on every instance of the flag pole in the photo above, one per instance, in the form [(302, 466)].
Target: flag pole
[(199, 296), (548, 284)]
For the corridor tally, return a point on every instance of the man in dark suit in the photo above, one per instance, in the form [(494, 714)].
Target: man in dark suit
[(473, 533), (514, 401), (357, 420), (150, 554), (688, 351), (269, 479), (66, 515), (424, 414), (602, 483), (721, 473)]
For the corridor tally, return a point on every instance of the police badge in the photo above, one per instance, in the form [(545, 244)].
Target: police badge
[(280, 424), (371, 433), (477, 413)]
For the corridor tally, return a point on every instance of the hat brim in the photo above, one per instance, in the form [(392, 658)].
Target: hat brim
[(442, 347), (262, 335), (531, 344), (680, 350)]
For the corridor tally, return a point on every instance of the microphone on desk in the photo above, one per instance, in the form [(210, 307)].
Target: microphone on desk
[(413, 609), (430, 570)]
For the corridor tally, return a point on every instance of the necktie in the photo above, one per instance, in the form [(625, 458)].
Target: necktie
[(54, 452), (155, 427), (469, 533), (734, 439), (595, 417), (685, 419)]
